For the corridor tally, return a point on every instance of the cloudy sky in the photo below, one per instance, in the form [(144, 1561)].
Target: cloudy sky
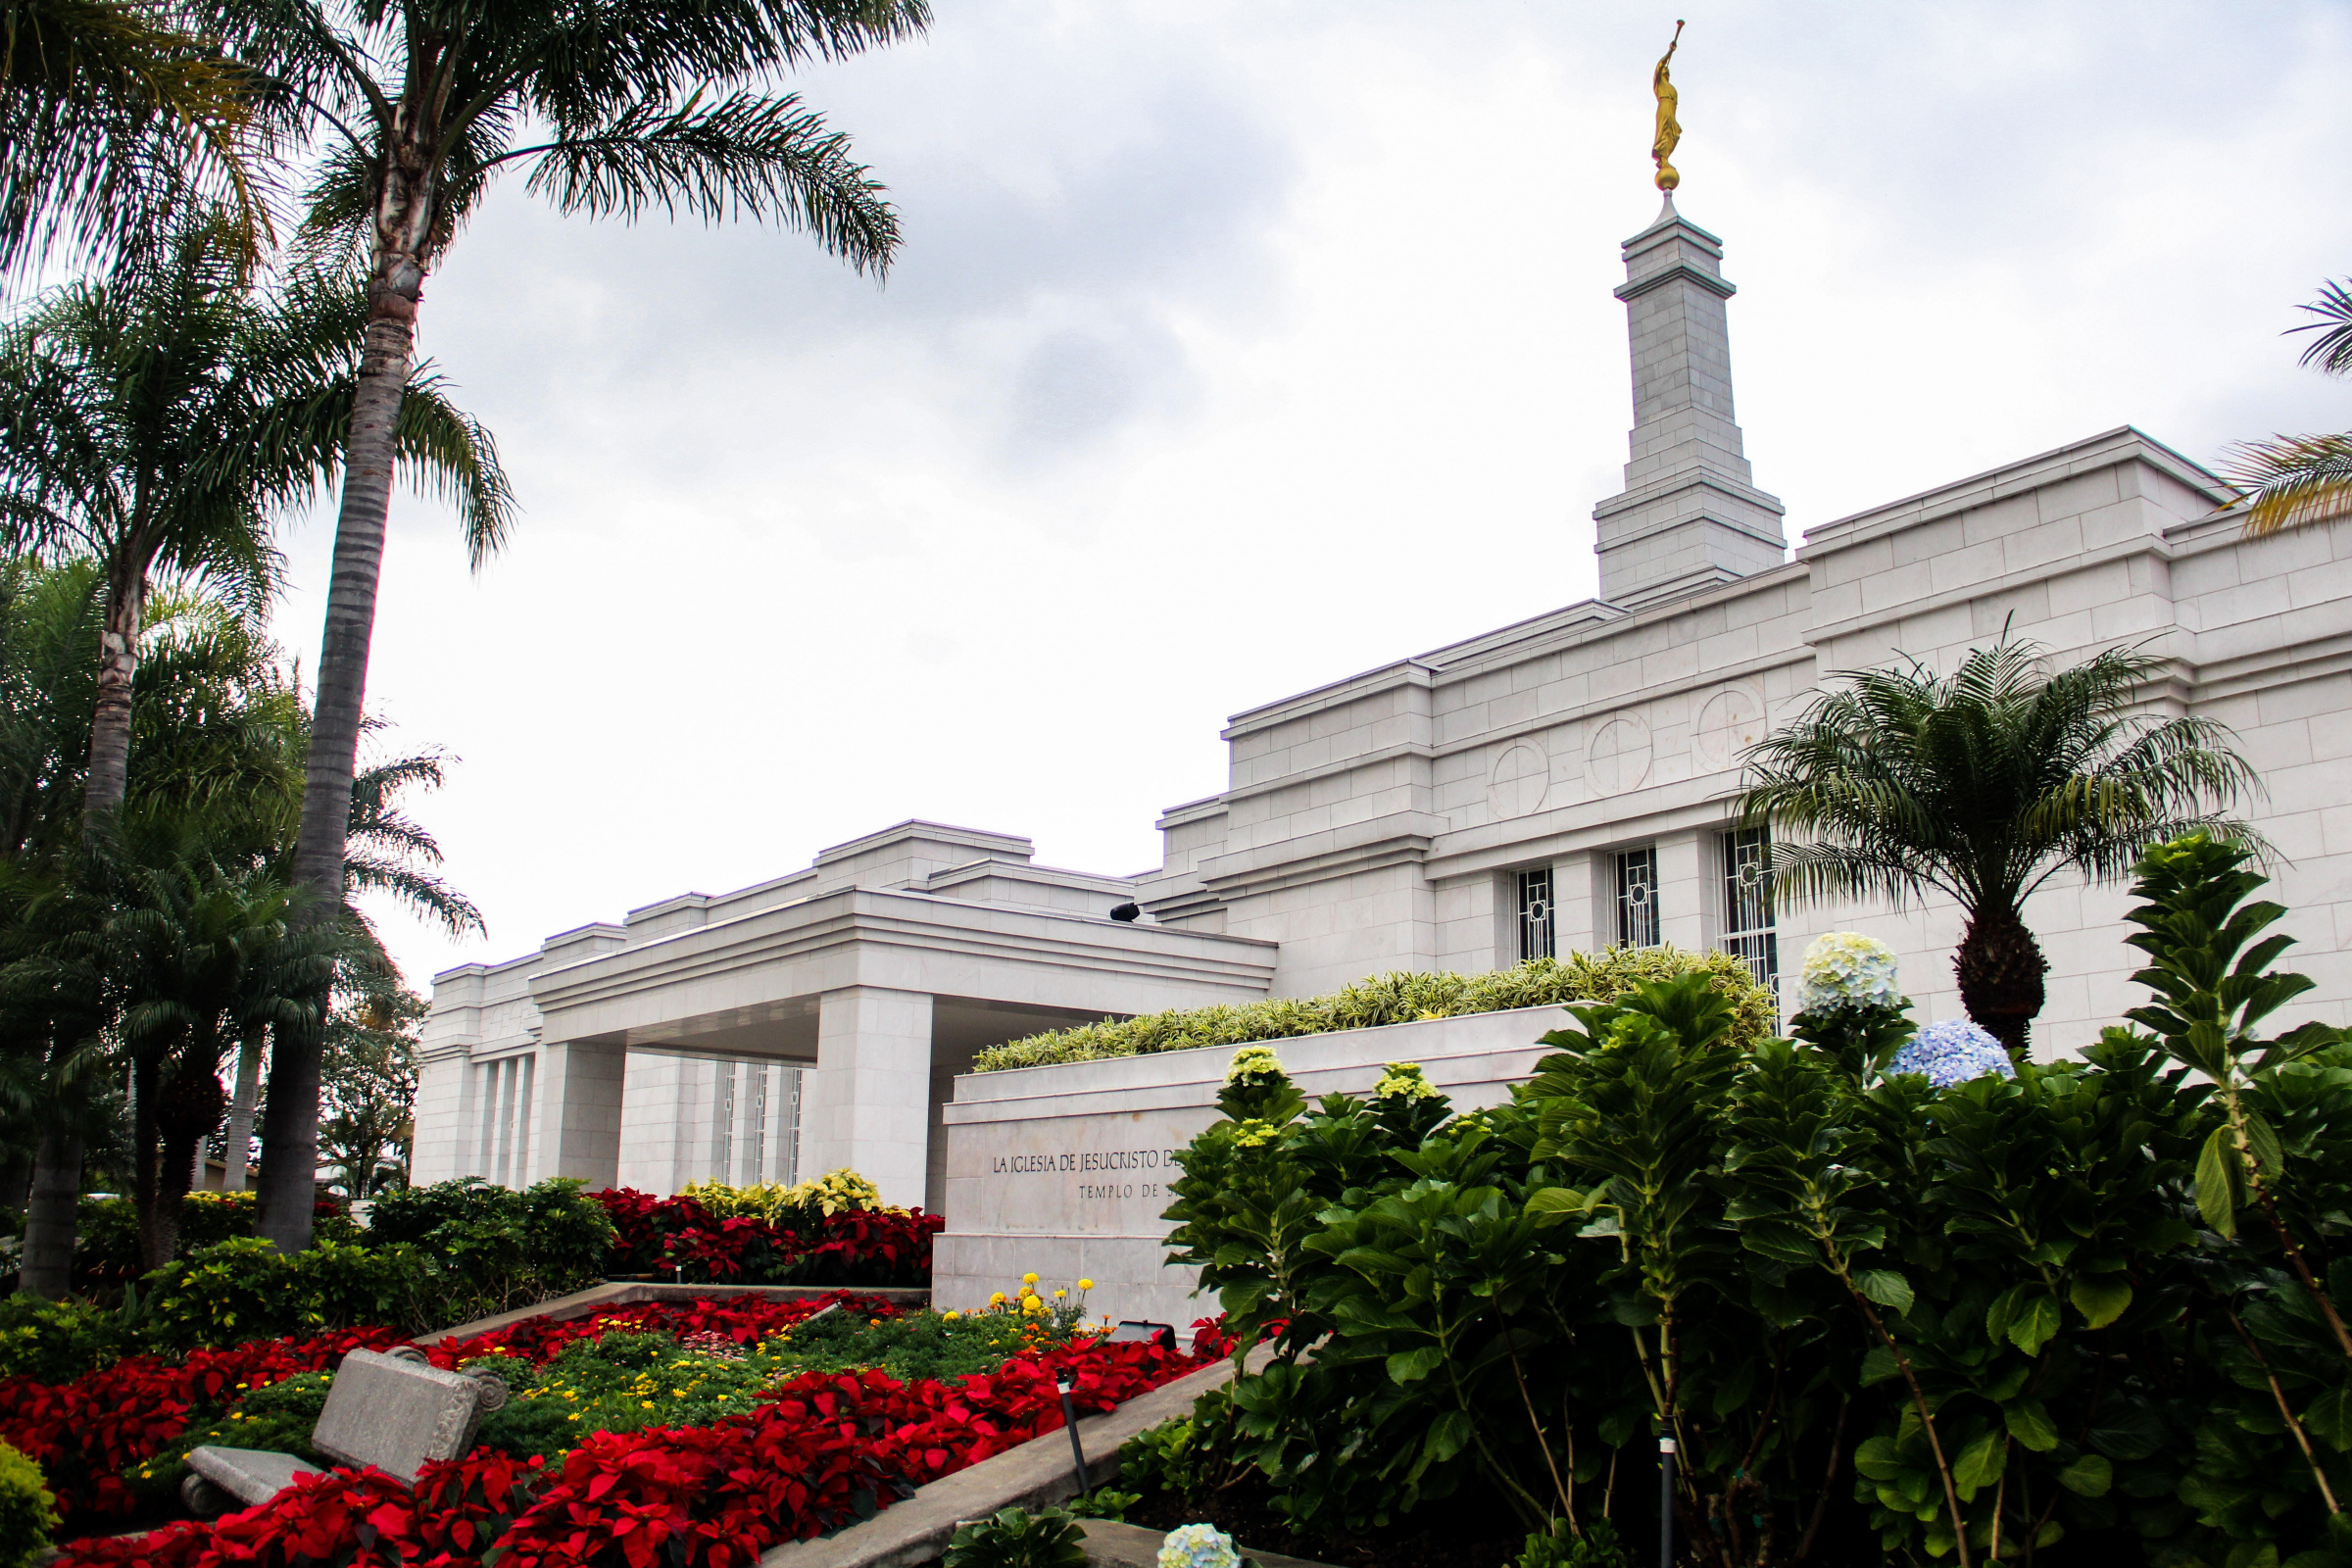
[(1237, 346)]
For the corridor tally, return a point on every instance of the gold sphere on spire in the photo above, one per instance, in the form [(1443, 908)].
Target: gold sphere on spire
[(1670, 129)]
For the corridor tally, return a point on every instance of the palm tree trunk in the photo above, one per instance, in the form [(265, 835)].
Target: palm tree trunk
[(239, 1137), (144, 1160), (50, 1220), (117, 668), (2000, 968), (290, 1125)]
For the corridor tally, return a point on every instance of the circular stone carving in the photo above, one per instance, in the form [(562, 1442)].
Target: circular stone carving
[(1732, 721), (1522, 774), (1619, 758)]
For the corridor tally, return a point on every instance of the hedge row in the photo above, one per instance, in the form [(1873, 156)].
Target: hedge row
[(1405, 997)]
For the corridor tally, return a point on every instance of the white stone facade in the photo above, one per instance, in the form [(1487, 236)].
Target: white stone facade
[(1581, 763)]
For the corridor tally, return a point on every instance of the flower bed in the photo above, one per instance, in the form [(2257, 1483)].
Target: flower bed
[(687, 1238), (812, 1456)]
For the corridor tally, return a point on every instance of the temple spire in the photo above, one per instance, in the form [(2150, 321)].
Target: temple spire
[(1690, 516)]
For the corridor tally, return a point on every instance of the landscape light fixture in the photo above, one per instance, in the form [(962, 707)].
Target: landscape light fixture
[(1069, 1419), (1131, 1331)]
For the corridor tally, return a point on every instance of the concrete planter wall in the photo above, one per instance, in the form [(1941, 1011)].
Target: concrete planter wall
[(1063, 1171)]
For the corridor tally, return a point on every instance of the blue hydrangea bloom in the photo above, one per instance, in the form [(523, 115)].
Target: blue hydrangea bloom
[(1950, 1053), (1198, 1547)]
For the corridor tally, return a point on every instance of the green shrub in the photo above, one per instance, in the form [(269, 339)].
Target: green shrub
[(502, 1249), (2087, 1312), (1015, 1537), (247, 1290), (56, 1342), (1561, 1547), (1405, 997), (106, 1248), (28, 1512)]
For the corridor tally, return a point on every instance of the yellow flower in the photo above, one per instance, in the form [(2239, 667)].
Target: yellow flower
[(997, 1300), (574, 1416), (646, 1403), (1028, 1279), (1086, 1285), (1059, 1295), (950, 1317)]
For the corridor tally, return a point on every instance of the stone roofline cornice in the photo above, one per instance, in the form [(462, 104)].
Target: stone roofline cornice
[(892, 918), (2122, 444)]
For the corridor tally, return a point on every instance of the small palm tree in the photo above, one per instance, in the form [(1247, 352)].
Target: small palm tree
[(1982, 785), (415, 108), (2291, 481), (159, 421)]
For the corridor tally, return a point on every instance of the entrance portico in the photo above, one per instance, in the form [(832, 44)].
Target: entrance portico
[(826, 1013)]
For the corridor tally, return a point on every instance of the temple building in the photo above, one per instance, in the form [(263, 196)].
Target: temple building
[(1563, 783)]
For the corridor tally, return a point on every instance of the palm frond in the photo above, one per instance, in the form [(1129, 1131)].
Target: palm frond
[(2291, 480), (2331, 350)]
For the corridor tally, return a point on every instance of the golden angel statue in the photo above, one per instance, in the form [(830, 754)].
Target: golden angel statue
[(1670, 129)]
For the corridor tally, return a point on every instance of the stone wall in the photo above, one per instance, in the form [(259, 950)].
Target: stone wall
[(1063, 1171)]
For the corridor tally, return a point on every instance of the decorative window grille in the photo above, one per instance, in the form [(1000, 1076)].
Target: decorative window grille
[(1748, 925), (756, 1124), (1536, 915), (1637, 896)]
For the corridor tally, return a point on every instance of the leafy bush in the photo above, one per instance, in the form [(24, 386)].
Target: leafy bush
[(1563, 1546), (27, 1513), (54, 1341), (247, 1290), (501, 1248), (1401, 997), (107, 1240), (2089, 1303), (1015, 1537)]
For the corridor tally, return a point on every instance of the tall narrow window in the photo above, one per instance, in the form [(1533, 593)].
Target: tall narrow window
[(1535, 915), (788, 1139), (722, 1121), (1637, 896), (755, 1122), (1748, 929)]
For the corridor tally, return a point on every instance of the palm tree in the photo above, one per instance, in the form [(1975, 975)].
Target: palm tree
[(1982, 785), (416, 106), (202, 956), (2292, 481), (112, 120), (158, 421)]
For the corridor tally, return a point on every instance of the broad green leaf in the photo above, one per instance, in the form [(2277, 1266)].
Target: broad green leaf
[(1411, 1366), (1981, 1463), (2031, 1424), (1876, 1458), (1886, 1287), (1879, 1365), (2036, 1323), (1559, 1202), (2329, 1418), (2217, 1183), (2267, 1153), (1781, 1243), (2088, 1477), (2101, 1297), (2003, 1312), (1448, 1435)]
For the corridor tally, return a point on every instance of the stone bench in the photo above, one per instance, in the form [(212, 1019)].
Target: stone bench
[(394, 1411)]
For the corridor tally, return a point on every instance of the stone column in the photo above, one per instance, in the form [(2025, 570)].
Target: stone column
[(1683, 891), (578, 1086), (867, 1104)]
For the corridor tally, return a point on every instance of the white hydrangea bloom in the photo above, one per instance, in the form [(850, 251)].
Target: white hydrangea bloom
[(1848, 969), (1198, 1547)]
